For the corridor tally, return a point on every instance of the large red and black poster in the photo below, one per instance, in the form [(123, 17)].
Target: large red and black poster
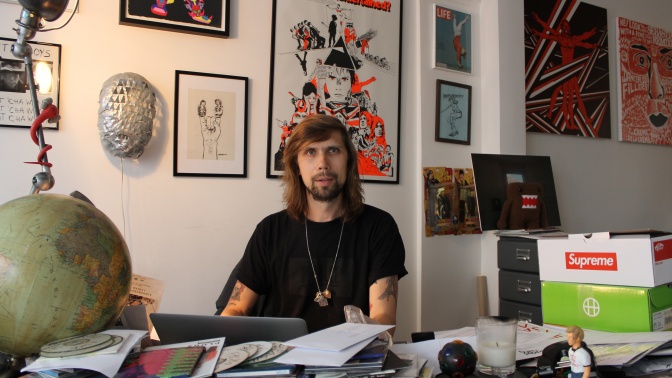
[(566, 69)]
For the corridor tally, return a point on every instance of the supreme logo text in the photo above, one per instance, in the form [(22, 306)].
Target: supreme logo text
[(591, 261)]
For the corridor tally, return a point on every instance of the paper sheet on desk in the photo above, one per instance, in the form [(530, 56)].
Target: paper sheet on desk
[(107, 364), (531, 340), (430, 349), (315, 357), (616, 349), (338, 337)]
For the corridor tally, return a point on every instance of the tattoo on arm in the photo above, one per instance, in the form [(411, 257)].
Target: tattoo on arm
[(237, 290), (390, 290), (235, 294)]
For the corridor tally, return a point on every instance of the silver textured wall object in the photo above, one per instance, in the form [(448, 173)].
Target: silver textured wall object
[(126, 114)]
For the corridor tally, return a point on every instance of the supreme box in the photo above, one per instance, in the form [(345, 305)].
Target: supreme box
[(606, 307), (633, 258)]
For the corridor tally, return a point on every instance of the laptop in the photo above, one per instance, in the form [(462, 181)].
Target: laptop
[(180, 328)]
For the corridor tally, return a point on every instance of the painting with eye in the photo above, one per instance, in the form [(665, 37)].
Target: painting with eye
[(645, 72), (566, 69)]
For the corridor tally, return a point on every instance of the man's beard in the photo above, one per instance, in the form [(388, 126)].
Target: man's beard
[(328, 193)]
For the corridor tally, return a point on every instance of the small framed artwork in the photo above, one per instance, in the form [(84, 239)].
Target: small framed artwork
[(342, 59), (16, 104), (209, 18), (453, 112), (452, 39), (210, 125)]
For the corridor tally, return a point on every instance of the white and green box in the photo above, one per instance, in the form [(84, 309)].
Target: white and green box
[(606, 307)]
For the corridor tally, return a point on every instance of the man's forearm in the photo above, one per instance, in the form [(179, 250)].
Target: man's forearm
[(232, 311)]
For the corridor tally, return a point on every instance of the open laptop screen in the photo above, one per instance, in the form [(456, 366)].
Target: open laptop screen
[(179, 328)]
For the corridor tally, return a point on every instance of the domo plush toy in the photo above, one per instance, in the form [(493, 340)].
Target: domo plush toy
[(524, 207)]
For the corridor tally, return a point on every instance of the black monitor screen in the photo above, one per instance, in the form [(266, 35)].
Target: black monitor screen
[(493, 173)]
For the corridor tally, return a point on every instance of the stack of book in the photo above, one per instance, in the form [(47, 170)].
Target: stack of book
[(375, 360)]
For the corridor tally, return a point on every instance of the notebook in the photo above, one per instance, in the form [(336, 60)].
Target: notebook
[(180, 328)]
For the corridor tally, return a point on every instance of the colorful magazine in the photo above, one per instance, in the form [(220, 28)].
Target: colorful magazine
[(171, 362)]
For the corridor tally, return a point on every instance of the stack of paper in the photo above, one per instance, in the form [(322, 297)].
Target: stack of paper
[(105, 363), (331, 347)]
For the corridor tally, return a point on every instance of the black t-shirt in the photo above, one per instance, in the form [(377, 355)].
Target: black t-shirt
[(276, 264)]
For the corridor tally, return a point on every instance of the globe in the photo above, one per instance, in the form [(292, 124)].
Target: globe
[(65, 270)]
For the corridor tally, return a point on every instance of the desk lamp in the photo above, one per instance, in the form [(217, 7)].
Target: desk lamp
[(33, 15)]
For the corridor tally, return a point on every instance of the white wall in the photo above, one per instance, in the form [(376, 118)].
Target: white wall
[(450, 264), (191, 231)]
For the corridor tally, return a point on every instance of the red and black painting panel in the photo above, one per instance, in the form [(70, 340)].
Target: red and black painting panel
[(566, 69)]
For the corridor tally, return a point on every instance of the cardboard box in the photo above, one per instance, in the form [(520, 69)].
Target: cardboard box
[(633, 258), (607, 308)]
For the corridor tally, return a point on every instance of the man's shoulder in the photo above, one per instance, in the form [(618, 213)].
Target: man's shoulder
[(277, 215), (372, 213), (280, 217)]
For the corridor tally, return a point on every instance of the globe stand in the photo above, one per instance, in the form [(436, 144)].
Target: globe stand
[(10, 366)]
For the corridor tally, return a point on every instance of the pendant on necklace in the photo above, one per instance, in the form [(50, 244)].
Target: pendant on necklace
[(320, 299), (327, 294)]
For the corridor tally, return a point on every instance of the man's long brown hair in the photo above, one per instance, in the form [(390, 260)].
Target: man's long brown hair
[(318, 128)]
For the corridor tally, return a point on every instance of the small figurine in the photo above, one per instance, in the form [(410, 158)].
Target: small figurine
[(579, 356), (457, 359)]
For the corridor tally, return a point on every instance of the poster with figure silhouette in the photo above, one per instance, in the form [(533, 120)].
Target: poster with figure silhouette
[(453, 112), (452, 39), (566, 69), (645, 91), (342, 59)]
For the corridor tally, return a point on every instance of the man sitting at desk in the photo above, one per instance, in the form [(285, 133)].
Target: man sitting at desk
[(327, 249)]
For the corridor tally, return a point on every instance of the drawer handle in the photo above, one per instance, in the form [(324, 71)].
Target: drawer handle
[(525, 316), (524, 286), (522, 254)]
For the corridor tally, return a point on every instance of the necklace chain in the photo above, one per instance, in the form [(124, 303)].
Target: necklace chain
[(322, 296)]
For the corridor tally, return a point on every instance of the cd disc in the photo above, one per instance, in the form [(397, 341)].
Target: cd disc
[(76, 345), (115, 340), (262, 348), (230, 357), (277, 350)]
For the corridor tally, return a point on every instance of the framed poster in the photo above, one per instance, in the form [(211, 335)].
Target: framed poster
[(16, 104), (452, 39), (645, 78), (453, 113), (341, 59), (566, 69), (210, 125), (204, 17)]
